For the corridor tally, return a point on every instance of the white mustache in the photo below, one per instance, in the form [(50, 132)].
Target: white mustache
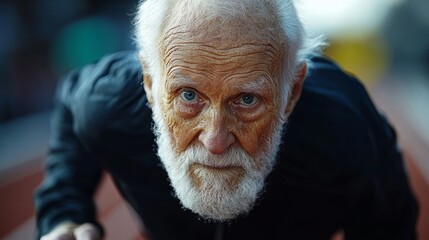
[(233, 157)]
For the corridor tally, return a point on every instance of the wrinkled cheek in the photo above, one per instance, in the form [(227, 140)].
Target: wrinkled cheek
[(170, 123), (256, 136), (181, 132)]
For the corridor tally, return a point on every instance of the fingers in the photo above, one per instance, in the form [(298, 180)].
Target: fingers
[(339, 235), (71, 231), (64, 231), (51, 236), (87, 231)]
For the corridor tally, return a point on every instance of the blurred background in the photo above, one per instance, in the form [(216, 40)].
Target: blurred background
[(385, 43)]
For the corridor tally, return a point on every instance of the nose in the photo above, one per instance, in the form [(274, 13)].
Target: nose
[(216, 137)]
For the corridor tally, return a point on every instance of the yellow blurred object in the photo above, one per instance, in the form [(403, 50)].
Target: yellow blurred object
[(365, 56)]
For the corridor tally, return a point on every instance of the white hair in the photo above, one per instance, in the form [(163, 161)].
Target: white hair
[(152, 15)]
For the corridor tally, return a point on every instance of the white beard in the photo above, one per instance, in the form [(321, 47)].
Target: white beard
[(216, 195)]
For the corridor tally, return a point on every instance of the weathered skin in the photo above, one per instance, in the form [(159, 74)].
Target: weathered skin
[(223, 63), (220, 68)]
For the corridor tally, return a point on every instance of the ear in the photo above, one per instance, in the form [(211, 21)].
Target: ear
[(296, 89), (147, 82)]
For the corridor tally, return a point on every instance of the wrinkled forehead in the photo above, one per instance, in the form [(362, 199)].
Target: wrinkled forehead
[(221, 28)]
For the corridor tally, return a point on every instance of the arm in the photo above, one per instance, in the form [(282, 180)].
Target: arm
[(72, 173), (388, 207)]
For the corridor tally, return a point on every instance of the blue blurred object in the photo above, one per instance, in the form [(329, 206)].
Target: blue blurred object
[(85, 41), (42, 39), (53, 15), (406, 32), (8, 29)]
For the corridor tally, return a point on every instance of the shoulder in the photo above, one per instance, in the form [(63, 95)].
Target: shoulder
[(107, 97), (335, 125), (334, 101), (328, 83)]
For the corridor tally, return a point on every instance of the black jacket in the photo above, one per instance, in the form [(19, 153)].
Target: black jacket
[(339, 166)]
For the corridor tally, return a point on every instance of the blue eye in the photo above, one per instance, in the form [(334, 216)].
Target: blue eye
[(248, 99), (188, 95)]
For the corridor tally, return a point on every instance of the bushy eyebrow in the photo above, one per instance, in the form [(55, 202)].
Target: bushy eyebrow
[(260, 85), (179, 81)]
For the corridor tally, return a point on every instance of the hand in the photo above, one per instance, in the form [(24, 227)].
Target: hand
[(339, 235), (72, 231)]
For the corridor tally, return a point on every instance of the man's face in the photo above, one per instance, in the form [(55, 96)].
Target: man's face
[(218, 114)]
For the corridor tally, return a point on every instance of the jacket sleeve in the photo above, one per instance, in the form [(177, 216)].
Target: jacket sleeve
[(388, 209), (72, 173), (398, 209)]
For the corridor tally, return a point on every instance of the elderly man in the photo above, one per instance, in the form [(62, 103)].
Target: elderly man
[(221, 79)]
